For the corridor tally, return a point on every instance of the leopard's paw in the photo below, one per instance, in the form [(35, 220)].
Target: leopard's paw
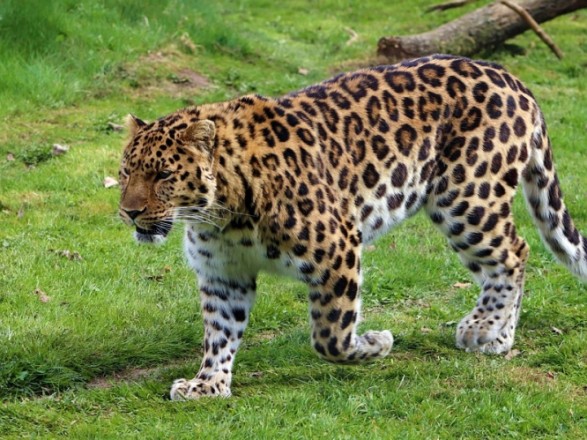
[(183, 389), (372, 345), (485, 335)]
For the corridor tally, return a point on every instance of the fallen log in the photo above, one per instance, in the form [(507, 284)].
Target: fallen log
[(484, 28), (449, 5)]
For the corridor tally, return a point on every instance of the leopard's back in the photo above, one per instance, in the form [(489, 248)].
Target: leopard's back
[(387, 140)]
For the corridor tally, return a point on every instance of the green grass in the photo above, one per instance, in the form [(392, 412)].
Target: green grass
[(96, 359)]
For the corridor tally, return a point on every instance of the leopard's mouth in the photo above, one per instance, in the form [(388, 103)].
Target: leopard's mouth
[(157, 233)]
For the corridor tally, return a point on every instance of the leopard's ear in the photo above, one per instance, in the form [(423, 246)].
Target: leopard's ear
[(134, 124), (201, 134)]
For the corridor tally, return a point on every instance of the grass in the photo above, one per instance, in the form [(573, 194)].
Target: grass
[(92, 353)]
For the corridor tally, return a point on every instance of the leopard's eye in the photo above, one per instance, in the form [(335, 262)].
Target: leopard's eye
[(163, 174)]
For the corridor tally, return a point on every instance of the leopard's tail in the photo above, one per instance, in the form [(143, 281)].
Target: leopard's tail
[(545, 202)]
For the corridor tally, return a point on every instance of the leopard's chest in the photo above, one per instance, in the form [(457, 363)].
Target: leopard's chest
[(235, 253)]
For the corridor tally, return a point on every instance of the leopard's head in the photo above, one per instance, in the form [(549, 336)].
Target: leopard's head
[(166, 173)]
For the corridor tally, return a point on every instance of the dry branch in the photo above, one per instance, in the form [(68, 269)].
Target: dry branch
[(535, 27), (483, 28)]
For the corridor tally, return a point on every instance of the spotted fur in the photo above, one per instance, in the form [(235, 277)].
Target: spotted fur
[(298, 185)]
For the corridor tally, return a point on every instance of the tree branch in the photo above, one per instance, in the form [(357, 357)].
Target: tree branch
[(535, 27)]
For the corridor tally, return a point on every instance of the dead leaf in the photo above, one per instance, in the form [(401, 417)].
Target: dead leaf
[(512, 354), (110, 182), (370, 248), (59, 150), (20, 213), (425, 330), (75, 255), (556, 330), (187, 43), (42, 296), (256, 374), (392, 245), (303, 71), (159, 276), (550, 375), (115, 127), (354, 36), (10, 157), (462, 285)]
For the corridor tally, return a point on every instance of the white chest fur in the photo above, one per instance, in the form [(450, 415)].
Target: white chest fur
[(233, 253)]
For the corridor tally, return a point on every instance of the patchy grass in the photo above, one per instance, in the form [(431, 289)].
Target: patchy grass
[(94, 357)]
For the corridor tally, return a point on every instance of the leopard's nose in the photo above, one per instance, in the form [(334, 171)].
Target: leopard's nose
[(132, 213)]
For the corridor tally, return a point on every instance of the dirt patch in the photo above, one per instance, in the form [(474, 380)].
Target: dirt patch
[(137, 374), (132, 375), (188, 76), (265, 335), (166, 72), (525, 375)]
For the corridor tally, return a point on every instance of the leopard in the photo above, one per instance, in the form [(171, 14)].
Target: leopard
[(298, 185)]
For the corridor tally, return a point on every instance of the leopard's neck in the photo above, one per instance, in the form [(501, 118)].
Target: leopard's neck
[(238, 188)]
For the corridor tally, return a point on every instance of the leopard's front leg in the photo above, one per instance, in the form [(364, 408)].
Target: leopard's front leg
[(225, 306)]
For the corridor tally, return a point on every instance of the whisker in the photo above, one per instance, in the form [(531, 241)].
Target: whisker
[(200, 213), (193, 217), (198, 217), (216, 206)]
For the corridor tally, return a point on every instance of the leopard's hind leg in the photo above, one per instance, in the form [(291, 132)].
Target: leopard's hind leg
[(490, 327), (478, 223)]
